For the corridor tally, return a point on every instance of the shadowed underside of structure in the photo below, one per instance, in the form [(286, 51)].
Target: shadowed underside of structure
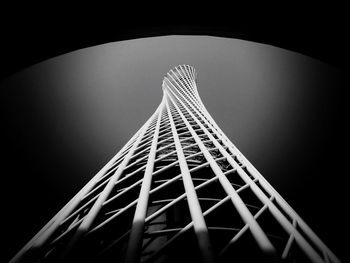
[(179, 190)]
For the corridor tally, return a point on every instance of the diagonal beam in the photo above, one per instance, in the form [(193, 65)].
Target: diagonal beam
[(38, 241), (259, 235), (193, 203), (136, 236), (300, 240), (85, 226)]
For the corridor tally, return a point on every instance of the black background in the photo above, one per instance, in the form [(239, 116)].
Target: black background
[(31, 34)]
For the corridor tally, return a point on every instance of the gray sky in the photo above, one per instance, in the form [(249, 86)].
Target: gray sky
[(275, 105), (98, 97)]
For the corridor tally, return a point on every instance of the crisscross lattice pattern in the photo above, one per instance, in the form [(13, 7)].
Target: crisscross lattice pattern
[(179, 190)]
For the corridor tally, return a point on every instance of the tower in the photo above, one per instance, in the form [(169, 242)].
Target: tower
[(179, 190)]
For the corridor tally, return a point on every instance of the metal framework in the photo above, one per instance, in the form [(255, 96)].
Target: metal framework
[(178, 190)]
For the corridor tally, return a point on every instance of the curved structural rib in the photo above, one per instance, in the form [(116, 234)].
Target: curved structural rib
[(178, 190)]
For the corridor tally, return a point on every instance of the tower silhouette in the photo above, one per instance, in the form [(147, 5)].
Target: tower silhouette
[(179, 190)]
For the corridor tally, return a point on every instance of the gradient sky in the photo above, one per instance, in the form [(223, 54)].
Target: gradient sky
[(67, 116)]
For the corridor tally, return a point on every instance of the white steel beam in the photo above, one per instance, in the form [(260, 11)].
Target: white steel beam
[(259, 235), (193, 203), (135, 240), (303, 244), (37, 242), (90, 217)]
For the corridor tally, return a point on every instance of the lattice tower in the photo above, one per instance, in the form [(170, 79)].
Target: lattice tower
[(179, 190)]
